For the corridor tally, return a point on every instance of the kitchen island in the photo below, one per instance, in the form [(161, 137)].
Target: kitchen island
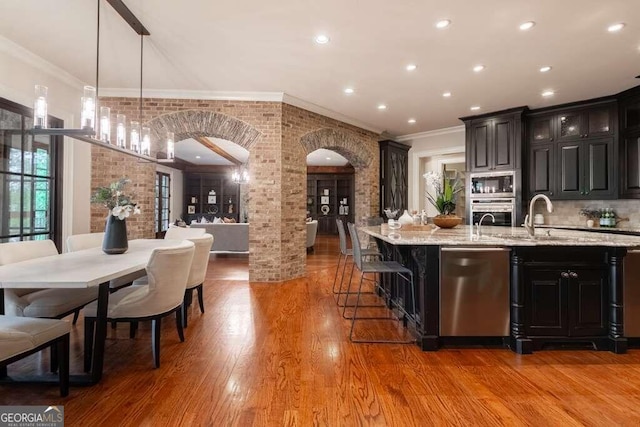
[(561, 287)]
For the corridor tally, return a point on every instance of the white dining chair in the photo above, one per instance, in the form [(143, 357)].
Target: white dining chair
[(198, 272), (44, 303), (167, 272), (78, 242), (180, 233)]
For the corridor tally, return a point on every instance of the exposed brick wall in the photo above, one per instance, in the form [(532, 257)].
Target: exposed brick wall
[(273, 134)]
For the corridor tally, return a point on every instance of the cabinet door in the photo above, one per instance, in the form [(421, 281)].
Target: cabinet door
[(542, 129), (542, 169), (599, 164), (587, 303), (599, 121), (481, 146), (397, 179), (570, 170), (570, 125), (502, 144), (630, 162), (545, 302)]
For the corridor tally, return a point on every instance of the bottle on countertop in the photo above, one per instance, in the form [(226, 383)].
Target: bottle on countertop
[(416, 218), (603, 218)]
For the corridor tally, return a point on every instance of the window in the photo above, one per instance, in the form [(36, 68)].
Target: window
[(30, 167), (163, 197)]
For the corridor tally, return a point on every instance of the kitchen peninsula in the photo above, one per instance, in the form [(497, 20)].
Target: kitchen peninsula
[(560, 287)]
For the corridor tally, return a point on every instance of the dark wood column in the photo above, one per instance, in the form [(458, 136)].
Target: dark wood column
[(616, 301)]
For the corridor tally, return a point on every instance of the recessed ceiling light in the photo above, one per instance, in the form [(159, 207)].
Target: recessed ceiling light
[(349, 90), (411, 121), (197, 157), (382, 107), (527, 25), (411, 67), (444, 23), (446, 94), (322, 39), (548, 93), (328, 158), (475, 108), (615, 27), (478, 68), (545, 69)]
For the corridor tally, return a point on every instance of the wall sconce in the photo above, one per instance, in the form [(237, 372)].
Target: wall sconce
[(240, 176), (146, 141), (171, 151), (121, 130), (105, 124), (88, 115), (40, 108), (135, 136)]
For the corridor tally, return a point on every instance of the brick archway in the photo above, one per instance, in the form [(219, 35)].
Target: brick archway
[(196, 123), (350, 147)]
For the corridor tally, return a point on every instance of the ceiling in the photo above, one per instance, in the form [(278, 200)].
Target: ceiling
[(207, 47)]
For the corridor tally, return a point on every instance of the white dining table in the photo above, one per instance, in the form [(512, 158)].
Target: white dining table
[(82, 269)]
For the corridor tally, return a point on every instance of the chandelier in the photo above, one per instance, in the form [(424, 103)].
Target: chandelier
[(240, 176), (96, 122)]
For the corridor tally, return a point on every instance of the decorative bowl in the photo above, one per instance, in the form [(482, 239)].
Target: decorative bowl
[(447, 221)]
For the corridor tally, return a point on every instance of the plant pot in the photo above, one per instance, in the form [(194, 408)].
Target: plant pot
[(115, 236), (447, 221)]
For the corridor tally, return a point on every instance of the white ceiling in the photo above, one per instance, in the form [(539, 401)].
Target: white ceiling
[(194, 152), (322, 157), (210, 46)]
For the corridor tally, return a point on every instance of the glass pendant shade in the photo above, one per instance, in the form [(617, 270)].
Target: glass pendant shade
[(135, 136), (171, 153), (105, 124), (240, 176), (146, 141), (121, 130), (40, 108), (88, 114)]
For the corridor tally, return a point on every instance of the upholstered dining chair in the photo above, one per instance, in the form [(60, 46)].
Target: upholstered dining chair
[(180, 233), (198, 272), (44, 303), (79, 242), (167, 272)]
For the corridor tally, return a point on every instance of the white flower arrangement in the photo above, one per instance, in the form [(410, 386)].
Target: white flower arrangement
[(113, 198)]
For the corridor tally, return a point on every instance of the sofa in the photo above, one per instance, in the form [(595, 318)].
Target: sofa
[(233, 237)]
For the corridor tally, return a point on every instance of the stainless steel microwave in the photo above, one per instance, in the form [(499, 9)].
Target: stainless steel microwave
[(492, 184)]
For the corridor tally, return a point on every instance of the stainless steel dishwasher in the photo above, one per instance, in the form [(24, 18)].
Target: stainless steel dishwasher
[(631, 294), (474, 291)]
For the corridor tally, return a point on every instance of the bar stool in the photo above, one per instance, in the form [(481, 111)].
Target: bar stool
[(344, 254), (379, 267)]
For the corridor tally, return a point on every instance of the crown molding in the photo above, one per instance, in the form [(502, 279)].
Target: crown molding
[(13, 49), (193, 94), (430, 133), (297, 102)]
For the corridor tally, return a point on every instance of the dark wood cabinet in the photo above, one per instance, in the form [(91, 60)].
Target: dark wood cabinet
[(394, 171), (586, 169), (493, 142), (210, 195), (572, 151), (567, 302), (629, 120), (330, 196)]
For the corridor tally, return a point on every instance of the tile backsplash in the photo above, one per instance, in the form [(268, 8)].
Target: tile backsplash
[(567, 212)]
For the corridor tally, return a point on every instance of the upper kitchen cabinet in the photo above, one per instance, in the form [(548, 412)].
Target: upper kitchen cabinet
[(629, 116), (394, 171), (572, 151), (494, 141)]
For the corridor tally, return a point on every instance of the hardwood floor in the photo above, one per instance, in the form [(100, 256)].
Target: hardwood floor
[(278, 354)]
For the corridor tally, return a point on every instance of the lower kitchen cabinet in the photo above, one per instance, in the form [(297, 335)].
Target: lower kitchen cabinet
[(565, 302)]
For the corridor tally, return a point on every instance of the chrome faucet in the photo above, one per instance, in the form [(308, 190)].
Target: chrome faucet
[(479, 223), (528, 219)]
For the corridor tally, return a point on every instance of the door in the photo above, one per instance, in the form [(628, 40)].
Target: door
[(545, 302), (502, 145), (599, 122), (588, 303), (570, 170), (630, 162), (162, 204), (542, 169), (481, 146), (598, 169), (542, 129), (570, 125)]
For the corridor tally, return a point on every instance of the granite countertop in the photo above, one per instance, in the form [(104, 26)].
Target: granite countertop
[(464, 235), (633, 231)]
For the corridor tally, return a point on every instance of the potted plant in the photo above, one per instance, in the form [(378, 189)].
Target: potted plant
[(445, 198), (591, 214), (120, 206)]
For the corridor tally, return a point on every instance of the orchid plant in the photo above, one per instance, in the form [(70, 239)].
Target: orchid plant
[(113, 198), (446, 190)]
